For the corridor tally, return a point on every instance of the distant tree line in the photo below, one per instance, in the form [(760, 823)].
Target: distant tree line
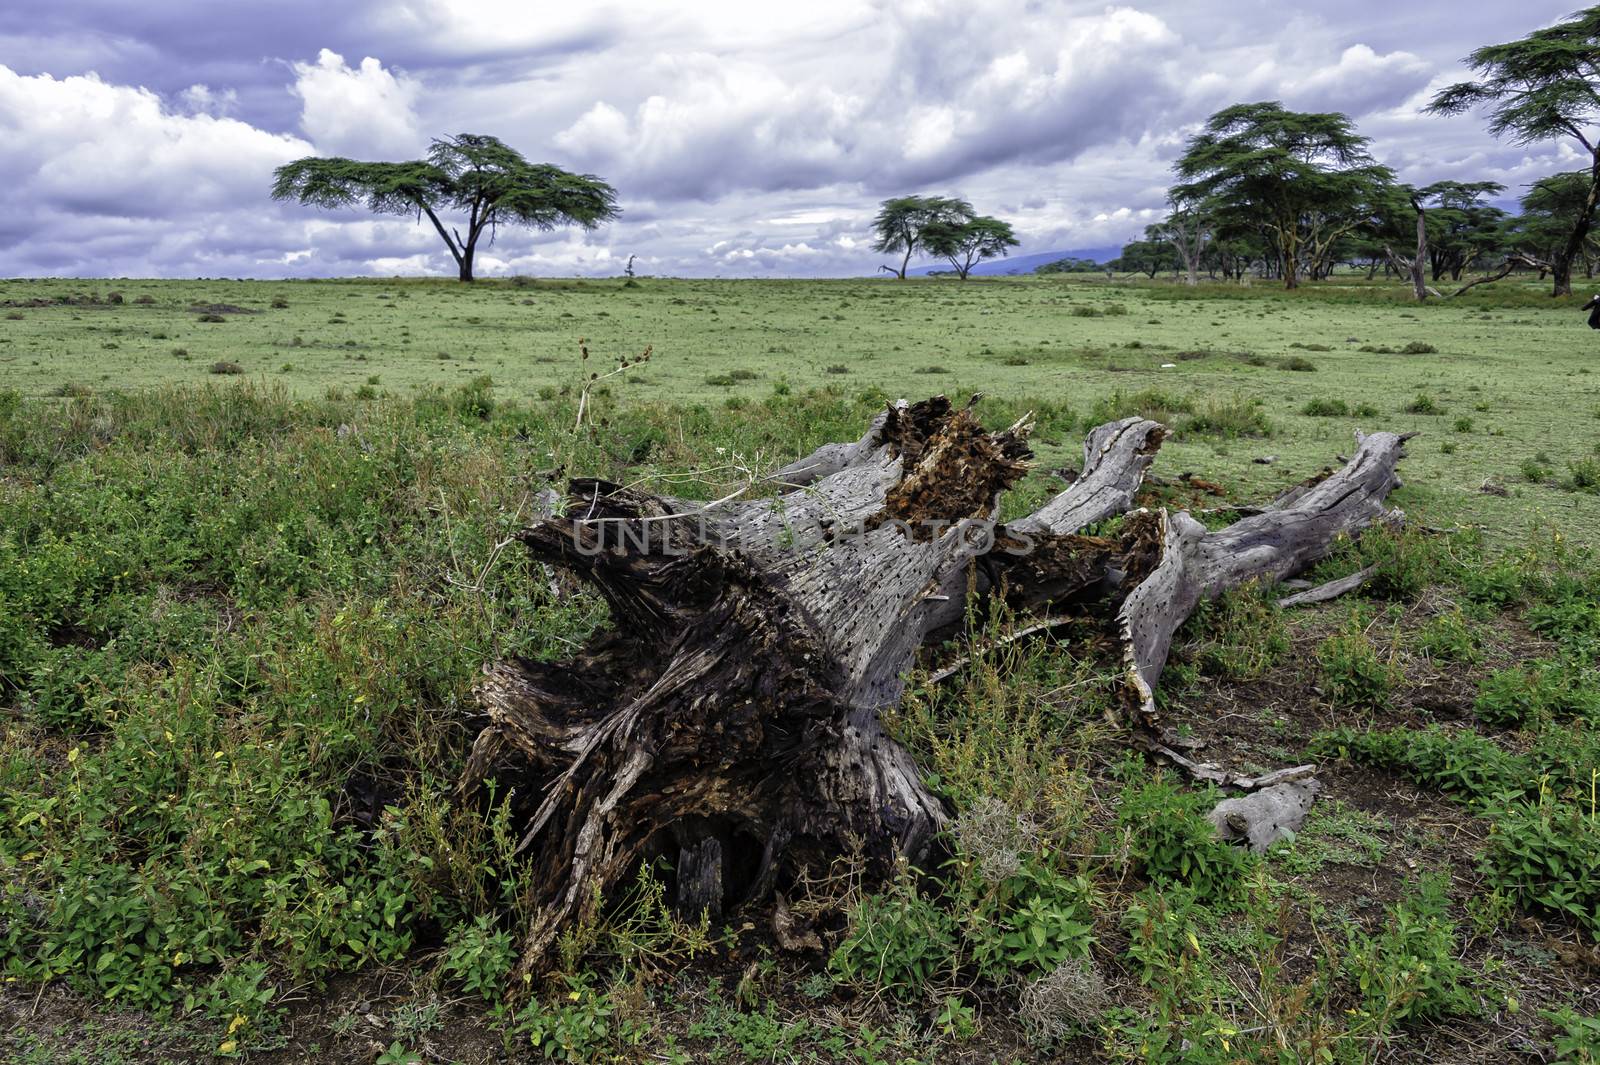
[(1288, 195)]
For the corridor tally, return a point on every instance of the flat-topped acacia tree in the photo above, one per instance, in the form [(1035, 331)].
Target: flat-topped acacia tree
[(470, 174), (1544, 87)]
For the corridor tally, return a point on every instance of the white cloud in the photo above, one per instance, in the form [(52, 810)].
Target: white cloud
[(81, 145), (742, 140), (364, 111)]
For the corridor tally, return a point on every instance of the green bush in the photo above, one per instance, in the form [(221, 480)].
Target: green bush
[(1029, 923), (899, 941), (1351, 671), (1451, 637), (1546, 856), (478, 956), (1318, 407), (1542, 689), (1577, 1040), (1171, 841), (1240, 634), (1410, 970), (1457, 762), (1228, 418)]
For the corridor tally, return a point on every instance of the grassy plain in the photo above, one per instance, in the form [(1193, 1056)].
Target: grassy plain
[(1510, 389), (241, 614)]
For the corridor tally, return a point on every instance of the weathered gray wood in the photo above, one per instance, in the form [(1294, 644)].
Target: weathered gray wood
[(1329, 590), (729, 720), (1274, 544), (1115, 458), (829, 459), (1264, 817)]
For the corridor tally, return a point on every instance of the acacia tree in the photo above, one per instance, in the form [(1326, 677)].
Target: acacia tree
[(901, 223), (1305, 180), (1552, 210), (965, 244), (1148, 256), (1462, 228), (1189, 230), (1544, 87), (471, 174)]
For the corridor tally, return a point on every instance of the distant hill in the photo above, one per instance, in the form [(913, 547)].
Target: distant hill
[(1023, 264)]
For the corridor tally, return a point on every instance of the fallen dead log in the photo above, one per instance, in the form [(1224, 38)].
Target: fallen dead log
[(1328, 590), (728, 721)]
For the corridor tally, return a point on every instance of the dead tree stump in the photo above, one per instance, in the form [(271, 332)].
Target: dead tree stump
[(728, 721)]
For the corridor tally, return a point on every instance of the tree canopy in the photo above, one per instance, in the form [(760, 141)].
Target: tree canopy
[(1304, 180), (471, 174), (901, 224), (1545, 86), (964, 244)]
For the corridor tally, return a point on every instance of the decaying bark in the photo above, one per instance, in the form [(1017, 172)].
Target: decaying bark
[(728, 721)]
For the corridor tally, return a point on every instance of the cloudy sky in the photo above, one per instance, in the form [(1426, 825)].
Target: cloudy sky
[(745, 139)]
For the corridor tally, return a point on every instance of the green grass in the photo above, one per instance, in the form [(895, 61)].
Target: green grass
[(241, 616), (1524, 357)]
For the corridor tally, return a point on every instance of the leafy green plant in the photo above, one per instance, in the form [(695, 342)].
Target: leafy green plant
[(1455, 761), (1028, 923), (1450, 637), (1228, 418), (1546, 856), (1352, 672), (1170, 840), (898, 940), (478, 956), (1410, 969), (1577, 1040), (1318, 407), (1243, 633)]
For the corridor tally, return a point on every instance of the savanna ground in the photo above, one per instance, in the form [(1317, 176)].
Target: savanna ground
[(248, 574)]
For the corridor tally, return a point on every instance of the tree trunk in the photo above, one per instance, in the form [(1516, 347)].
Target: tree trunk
[(728, 722), (466, 265), (1562, 266)]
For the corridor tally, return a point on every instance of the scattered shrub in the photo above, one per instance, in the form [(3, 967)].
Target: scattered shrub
[(1422, 403), (1300, 364), (1577, 1040), (1584, 475), (1325, 408), (1418, 347), (478, 956), (225, 367), (1229, 418), (1456, 762), (1351, 671), (1243, 633), (1410, 969), (1171, 841), (1450, 638), (210, 317), (1546, 856), (898, 941)]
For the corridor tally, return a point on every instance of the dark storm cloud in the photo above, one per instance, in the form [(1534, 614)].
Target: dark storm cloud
[(140, 138)]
